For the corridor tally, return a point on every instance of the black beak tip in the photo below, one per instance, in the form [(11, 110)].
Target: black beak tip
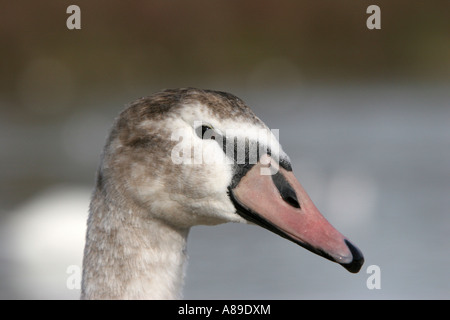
[(358, 259)]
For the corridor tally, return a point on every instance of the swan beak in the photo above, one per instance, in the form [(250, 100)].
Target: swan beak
[(278, 202)]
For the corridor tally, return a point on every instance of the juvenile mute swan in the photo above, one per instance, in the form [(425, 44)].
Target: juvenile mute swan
[(186, 157)]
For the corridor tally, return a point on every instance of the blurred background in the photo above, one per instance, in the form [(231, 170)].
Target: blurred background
[(364, 115)]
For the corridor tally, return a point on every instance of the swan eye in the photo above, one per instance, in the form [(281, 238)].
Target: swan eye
[(206, 132)]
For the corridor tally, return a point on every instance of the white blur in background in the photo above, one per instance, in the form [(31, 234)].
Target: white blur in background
[(45, 237)]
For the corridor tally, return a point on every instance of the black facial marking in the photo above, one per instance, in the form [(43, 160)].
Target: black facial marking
[(245, 154), (284, 163)]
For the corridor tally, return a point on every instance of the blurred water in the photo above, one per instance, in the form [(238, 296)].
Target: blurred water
[(374, 158)]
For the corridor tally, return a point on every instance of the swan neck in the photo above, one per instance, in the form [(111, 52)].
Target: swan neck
[(129, 255)]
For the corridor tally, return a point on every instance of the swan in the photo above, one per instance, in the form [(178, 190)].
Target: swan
[(186, 157)]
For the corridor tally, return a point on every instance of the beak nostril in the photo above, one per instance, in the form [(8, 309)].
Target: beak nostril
[(293, 202), (285, 189)]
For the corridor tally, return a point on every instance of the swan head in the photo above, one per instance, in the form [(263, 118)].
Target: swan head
[(200, 157)]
